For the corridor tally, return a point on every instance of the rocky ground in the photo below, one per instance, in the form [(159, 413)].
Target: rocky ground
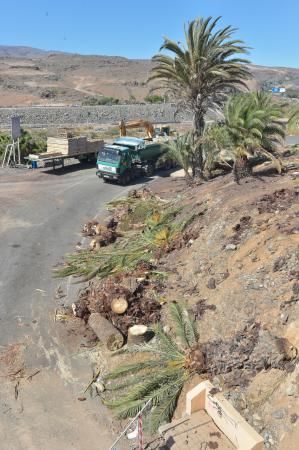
[(238, 265)]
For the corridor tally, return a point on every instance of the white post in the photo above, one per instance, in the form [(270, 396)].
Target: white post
[(14, 151), (19, 151)]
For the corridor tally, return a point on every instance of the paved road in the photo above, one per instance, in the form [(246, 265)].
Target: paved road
[(40, 219), (292, 140)]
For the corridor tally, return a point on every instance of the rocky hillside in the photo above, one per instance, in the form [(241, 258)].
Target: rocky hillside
[(230, 254), (36, 77)]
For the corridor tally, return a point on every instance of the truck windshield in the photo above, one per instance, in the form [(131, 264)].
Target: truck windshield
[(109, 155)]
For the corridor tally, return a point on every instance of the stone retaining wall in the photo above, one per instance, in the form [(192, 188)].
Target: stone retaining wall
[(84, 115)]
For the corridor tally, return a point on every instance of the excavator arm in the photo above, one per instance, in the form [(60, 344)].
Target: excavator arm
[(148, 126)]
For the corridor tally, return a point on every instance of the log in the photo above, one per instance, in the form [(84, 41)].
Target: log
[(95, 244), (100, 229), (106, 332), (119, 305), (80, 309), (138, 334)]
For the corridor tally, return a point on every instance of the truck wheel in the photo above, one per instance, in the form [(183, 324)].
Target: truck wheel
[(168, 165), (150, 169), (122, 181)]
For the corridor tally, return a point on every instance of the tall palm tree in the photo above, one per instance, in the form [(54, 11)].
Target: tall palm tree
[(255, 125), (202, 72)]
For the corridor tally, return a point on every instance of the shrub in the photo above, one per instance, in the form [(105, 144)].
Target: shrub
[(35, 142), (154, 99), (97, 101)]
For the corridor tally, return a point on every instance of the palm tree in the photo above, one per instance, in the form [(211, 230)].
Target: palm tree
[(293, 121), (255, 125), (181, 151), (201, 73), (161, 373)]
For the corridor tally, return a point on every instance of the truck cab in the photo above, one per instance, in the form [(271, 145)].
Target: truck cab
[(113, 162), (127, 158)]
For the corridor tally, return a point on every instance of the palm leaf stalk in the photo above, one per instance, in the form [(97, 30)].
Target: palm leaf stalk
[(176, 360), (202, 72)]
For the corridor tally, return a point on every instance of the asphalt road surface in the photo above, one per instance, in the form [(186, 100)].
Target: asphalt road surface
[(292, 140), (41, 214)]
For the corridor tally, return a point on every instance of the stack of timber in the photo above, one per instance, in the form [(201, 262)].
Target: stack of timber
[(58, 147), (67, 146), (73, 146)]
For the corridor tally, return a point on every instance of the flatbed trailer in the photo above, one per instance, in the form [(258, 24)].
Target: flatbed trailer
[(57, 160), (60, 149)]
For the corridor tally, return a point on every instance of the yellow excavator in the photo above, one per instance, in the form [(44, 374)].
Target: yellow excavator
[(148, 126)]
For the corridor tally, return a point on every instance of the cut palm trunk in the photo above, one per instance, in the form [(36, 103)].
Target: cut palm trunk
[(119, 305), (106, 332), (138, 334), (242, 168)]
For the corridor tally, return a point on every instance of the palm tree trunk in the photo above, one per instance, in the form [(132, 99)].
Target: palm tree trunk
[(242, 168), (198, 126)]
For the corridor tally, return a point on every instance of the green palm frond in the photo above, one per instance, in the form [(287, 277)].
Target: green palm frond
[(185, 326), (128, 369), (159, 376), (164, 410), (201, 72), (255, 123), (167, 343)]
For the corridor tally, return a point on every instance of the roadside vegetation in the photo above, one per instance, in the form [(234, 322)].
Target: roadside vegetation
[(201, 73), (252, 130), (99, 101), (30, 142), (154, 98)]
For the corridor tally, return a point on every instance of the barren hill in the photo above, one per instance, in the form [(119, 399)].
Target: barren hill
[(31, 76)]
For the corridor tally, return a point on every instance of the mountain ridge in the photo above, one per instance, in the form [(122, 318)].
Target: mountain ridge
[(32, 76)]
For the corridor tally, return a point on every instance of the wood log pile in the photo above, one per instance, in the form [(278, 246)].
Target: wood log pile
[(103, 235), (123, 302)]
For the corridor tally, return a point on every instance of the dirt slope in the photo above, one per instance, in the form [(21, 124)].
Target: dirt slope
[(236, 269), (243, 267)]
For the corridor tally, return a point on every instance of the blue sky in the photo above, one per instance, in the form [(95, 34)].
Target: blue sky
[(134, 28)]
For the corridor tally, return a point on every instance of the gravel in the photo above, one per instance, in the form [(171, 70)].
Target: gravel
[(84, 115)]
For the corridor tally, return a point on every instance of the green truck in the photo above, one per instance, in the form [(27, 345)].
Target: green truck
[(128, 158)]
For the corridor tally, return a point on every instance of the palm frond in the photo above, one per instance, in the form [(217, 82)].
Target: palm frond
[(204, 69), (185, 326)]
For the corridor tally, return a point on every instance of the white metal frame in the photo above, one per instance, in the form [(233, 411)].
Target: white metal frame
[(12, 154)]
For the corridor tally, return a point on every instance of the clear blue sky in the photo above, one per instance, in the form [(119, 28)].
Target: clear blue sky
[(135, 28)]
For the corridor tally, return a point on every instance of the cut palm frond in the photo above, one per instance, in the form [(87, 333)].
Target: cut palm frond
[(140, 379)]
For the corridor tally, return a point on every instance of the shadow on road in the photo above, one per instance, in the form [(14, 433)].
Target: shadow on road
[(74, 167)]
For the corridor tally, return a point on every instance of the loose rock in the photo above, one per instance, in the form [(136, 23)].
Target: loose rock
[(231, 247), (211, 283)]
